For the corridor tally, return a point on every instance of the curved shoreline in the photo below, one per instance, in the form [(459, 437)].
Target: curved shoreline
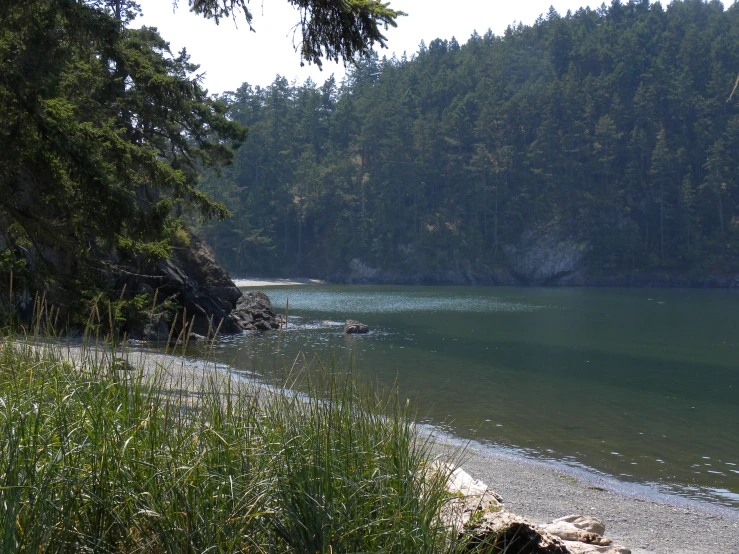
[(588, 476), (539, 490), (649, 523), (249, 282), (648, 280), (638, 516)]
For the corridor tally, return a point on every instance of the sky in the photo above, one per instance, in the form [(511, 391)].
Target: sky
[(230, 54)]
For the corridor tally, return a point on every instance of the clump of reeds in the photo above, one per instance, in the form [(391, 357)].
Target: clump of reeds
[(97, 455)]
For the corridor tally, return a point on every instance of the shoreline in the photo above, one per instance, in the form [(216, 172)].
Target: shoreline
[(249, 282), (541, 491), (657, 281), (589, 477), (646, 526)]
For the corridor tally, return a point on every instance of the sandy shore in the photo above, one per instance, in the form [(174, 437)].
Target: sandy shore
[(255, 282), (646, 523)]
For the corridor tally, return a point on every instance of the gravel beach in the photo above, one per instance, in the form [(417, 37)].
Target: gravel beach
[(543, 492), (646, 522)]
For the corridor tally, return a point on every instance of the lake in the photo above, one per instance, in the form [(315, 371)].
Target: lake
[(640, 384)]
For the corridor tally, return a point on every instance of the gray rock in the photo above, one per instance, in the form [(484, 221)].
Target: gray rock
[(467, 496), (579, 528), (584, 535), (352, 327), (207, 296), (361, 272), (262, 325), (192, 279), (515, 533), (254, 311), (476, 514)]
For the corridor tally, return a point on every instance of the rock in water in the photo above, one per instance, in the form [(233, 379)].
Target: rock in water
[(352, 327), (254, 311)]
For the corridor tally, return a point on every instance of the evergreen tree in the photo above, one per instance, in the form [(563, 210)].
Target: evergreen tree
[(104, 134)]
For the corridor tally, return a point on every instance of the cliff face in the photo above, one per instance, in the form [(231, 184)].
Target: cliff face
[(209, 299), (192, 279), (460, 272), (193, 293), (545, 256)]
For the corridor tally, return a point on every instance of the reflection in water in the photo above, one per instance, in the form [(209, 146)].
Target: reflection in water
[(640, 384)]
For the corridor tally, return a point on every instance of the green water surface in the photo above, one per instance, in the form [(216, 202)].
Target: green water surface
[(640, 384)]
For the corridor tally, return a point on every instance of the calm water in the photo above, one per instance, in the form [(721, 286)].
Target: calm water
[(639, 384)]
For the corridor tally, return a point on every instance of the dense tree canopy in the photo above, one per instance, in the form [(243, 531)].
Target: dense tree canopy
[(102, 136), (614, 123), (104, 133)]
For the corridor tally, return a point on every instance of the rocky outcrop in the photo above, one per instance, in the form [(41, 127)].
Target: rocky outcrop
[(352, 327), (254, 311), (208, 299), (206, 305), (544, 254), (360, 272), (483, 524), (554, 264)]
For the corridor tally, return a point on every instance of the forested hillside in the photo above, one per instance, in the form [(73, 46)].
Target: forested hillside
[(610, 133)]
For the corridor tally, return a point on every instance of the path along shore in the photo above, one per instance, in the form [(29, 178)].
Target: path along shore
[(542, 492)]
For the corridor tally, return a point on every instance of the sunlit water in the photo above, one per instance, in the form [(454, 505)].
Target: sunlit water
[(642, 385)]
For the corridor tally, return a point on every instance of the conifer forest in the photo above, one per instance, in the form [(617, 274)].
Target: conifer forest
[(616, 129)]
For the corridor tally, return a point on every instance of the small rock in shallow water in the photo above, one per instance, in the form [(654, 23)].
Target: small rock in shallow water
[(352, 327)]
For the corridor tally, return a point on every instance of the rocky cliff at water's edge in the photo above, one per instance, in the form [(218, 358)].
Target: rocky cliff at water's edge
[(208, 297)]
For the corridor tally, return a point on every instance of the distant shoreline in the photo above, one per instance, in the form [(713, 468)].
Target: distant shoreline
[(656, 280), (275, 282)]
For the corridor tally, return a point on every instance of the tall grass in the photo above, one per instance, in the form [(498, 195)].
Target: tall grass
[(100, 456)]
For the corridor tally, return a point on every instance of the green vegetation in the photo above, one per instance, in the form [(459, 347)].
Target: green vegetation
[(615, 123), (104, 133), (102, 137), (96, 456)]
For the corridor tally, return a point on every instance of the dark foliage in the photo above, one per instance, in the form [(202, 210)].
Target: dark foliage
[(616, 123)]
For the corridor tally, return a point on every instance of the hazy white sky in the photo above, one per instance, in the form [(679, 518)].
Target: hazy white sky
[(229, 54)]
